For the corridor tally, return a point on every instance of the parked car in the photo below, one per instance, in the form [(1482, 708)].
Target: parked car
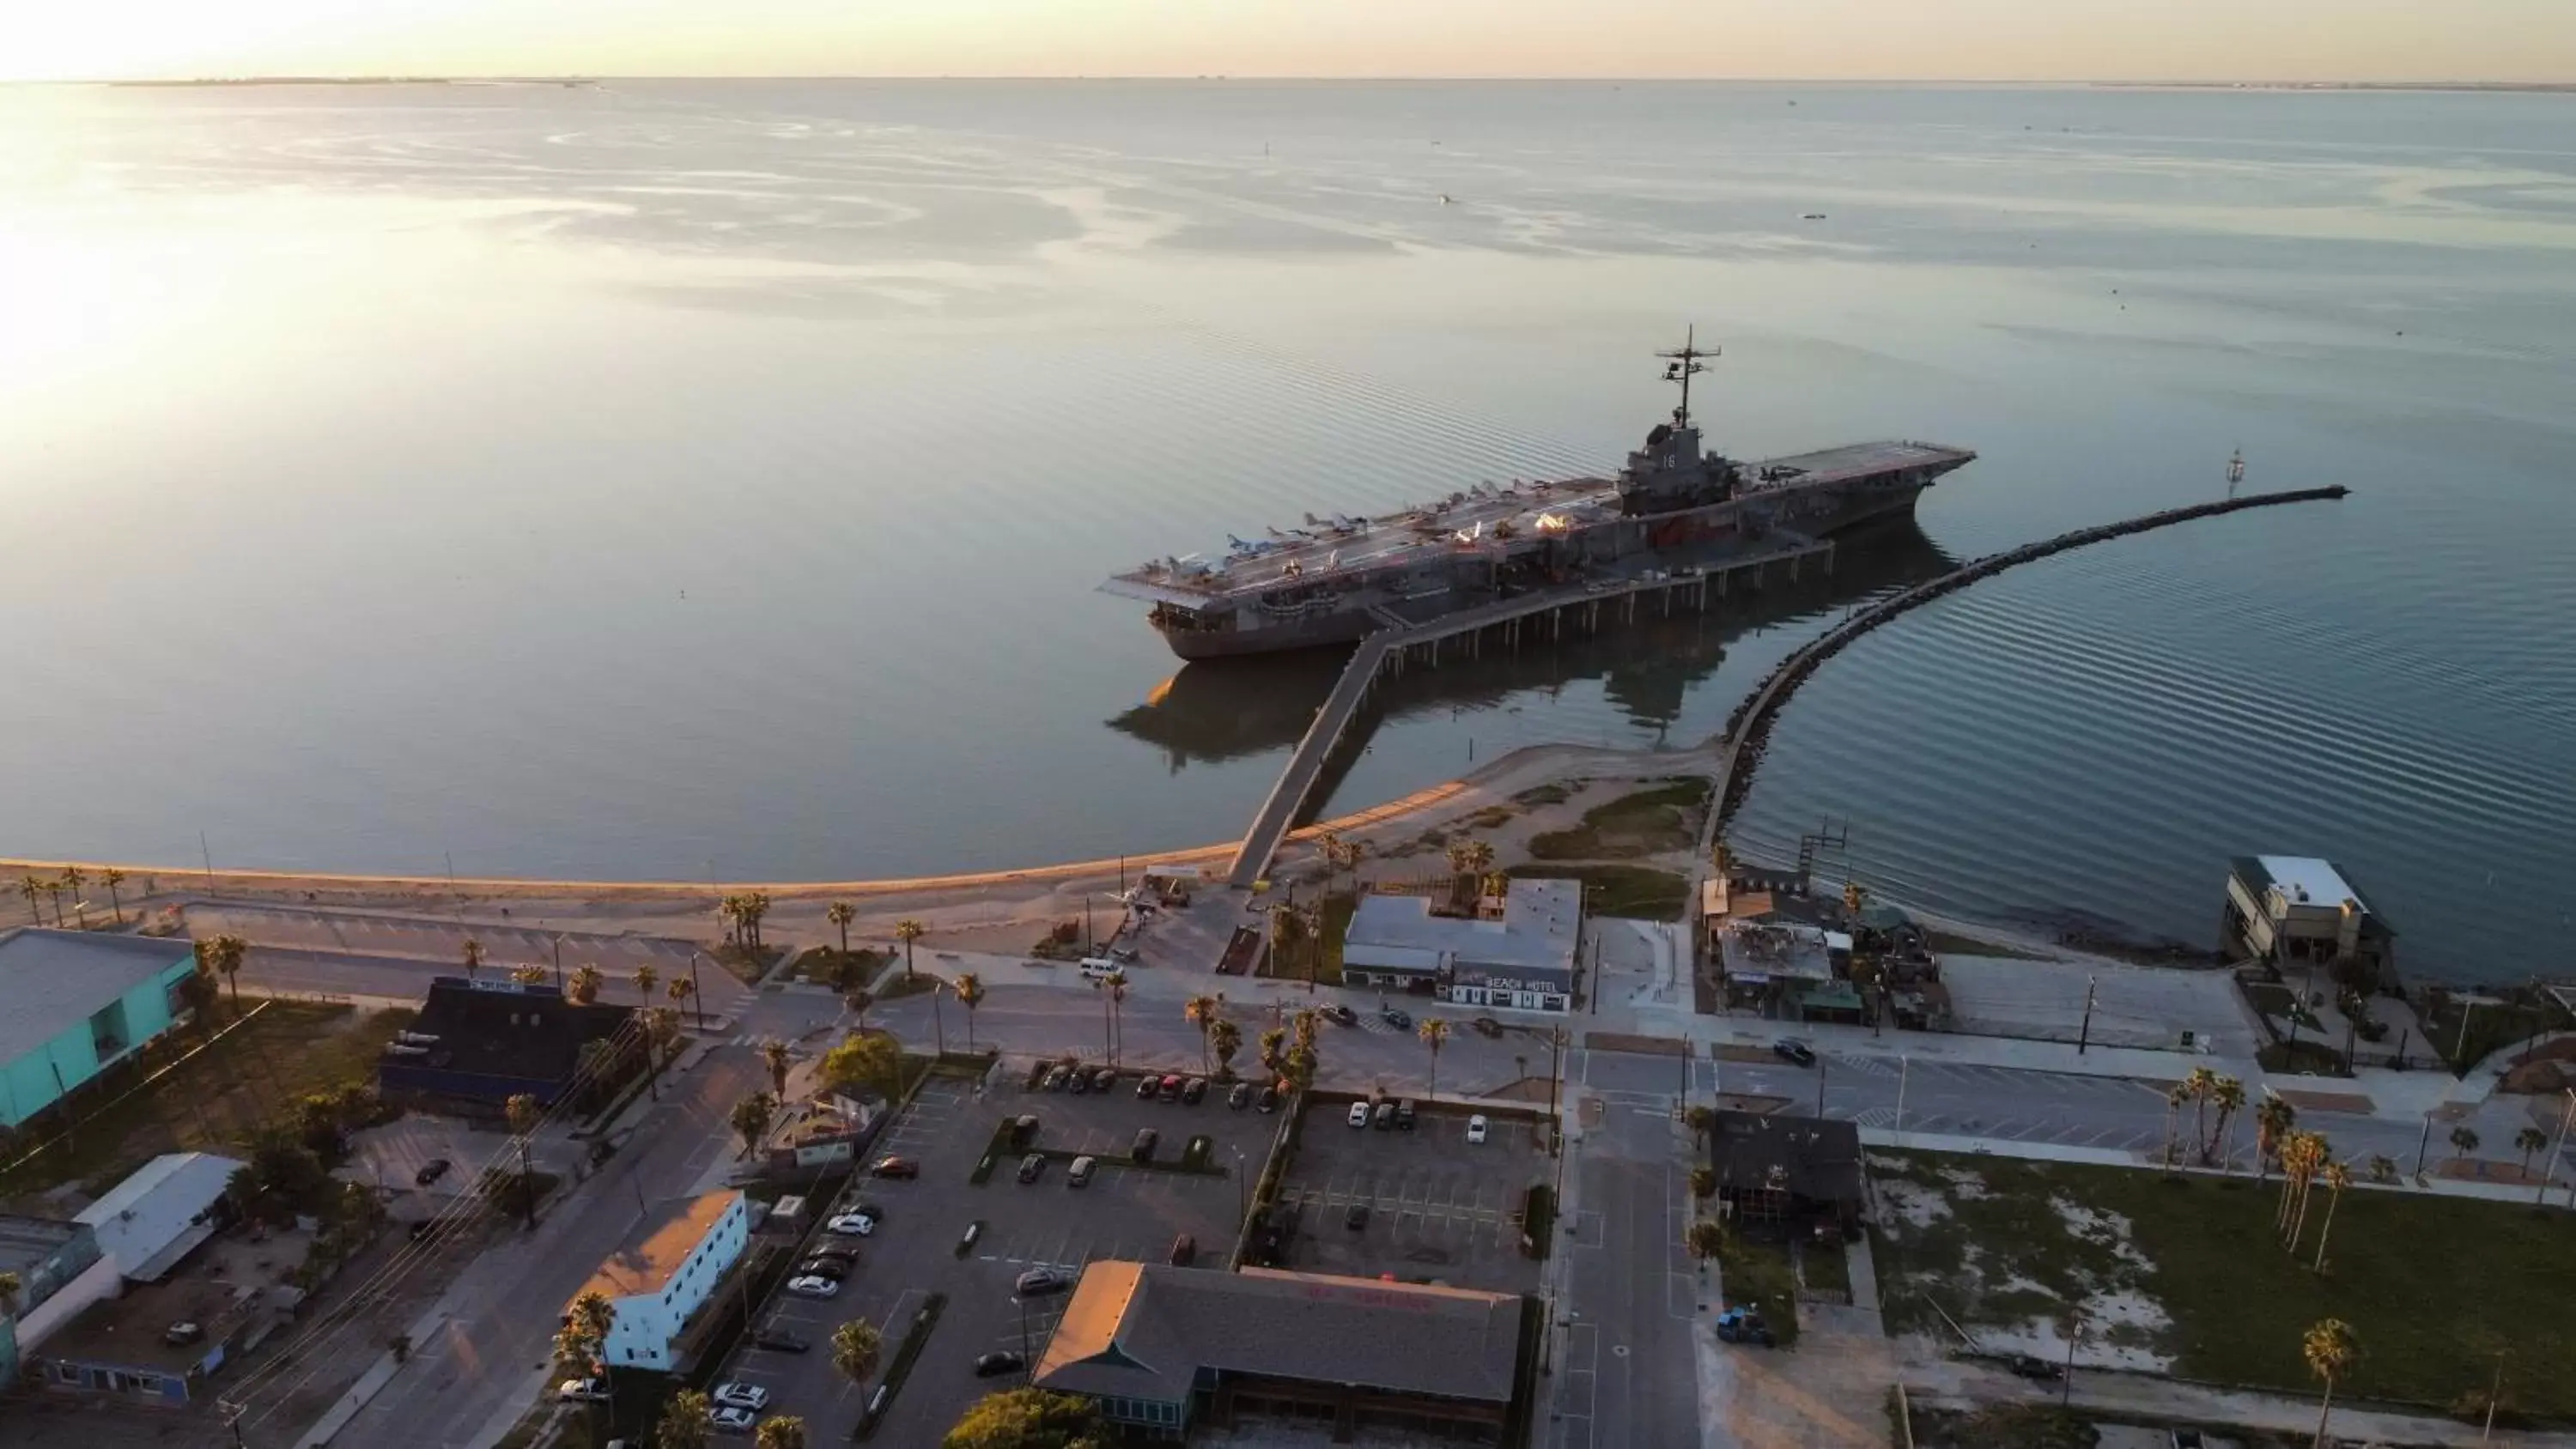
[(741, 1396), (2031, 1367), (1185, 1251), (1337, 1012), (1268, 1101), (1103, 1079), (903, 1167), (842, 1256), (1143, 1148), (1195, 1091), (824, 1268), (812, 1287), (583, 1391), (1079, 1174), (1055, 1079), (1476, 1128), (1487, 1026), (730, 1420), (1031, 1166), (1171, 1089), (780, 1340), (1024, 1129), (1357, 1217), (1042, 1282), (1240, 1097), (1145, 1086), (853, 1225), (999, 1361), (1079, 1083), (1790, 1049), (1384, 1115), (1404, 1115), (1743, 1325), (1396, 1017), (431, 1171), (1359, 1114), (1124, 955)]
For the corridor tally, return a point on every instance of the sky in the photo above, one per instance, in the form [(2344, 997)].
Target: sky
[(2188, 40)]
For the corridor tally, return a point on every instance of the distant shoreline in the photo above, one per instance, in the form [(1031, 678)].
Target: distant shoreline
[(2514, 87), (2567, 87)]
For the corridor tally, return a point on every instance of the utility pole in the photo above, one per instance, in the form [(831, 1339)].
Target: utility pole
[(1904, 1066), (1821, 1064), (232, 1421), (697, 998), (2422, 1143), (2495, 1386), (208, 857), (2551, 1172), (2084, 1034)]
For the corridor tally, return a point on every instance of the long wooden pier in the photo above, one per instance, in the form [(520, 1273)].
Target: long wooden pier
[(1541, 617)]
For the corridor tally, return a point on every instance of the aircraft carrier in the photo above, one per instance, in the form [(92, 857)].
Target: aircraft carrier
[(1672, 509)]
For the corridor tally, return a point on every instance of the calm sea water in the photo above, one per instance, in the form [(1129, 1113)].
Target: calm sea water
[(711, 479)]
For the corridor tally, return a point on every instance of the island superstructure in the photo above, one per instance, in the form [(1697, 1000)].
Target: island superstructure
[(1672, 506)]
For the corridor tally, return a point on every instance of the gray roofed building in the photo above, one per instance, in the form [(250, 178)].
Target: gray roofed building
[(1523, 958), (78, 1002), (1782, 1167), (1161, 1347)]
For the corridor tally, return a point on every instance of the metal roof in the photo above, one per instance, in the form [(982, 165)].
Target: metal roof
[(1145, 1331), (54, 980), (657, 1246), (1541, 921), (152, 1212)]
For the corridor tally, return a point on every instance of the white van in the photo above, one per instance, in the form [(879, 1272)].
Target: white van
[(1095, 967)]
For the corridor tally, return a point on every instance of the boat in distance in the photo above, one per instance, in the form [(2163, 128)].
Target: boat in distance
[(1672, 506)]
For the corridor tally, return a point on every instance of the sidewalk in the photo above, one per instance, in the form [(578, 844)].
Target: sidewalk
[(2114, 1157)]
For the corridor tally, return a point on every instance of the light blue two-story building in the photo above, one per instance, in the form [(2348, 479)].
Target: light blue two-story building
[(77, 1002)]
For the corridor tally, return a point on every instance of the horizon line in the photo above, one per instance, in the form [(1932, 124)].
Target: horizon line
[(575, 77)]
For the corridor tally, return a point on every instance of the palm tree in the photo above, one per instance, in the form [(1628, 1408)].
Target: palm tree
[(2330, 1349), (1435, 1034), (10, 1288), (72, 881), (1227, 1039), (2312, 1154), (34, 890), (751, 1117), (1113, 999), (598, 1062), (784, 1432), (1328, 846), (1287, 938), (524, 1115), (646, 978), (841, 914), (755, 907), (2229, 1094), (2465, 1139), (1200, 1011), (2175, 1096), (583, 1339), (856, 1346), (529, 975), (54, 893), (584, 986), (970, 994), (1705, 1239), (661, 1033), (1480, 859), (1274, 1052), (908, 931), (1701, 1120), (2272, 1123), (473, 957), (2528, 1141), (773, 1055), (2338, 1177), (112, 878), (687, 1422), (2383, 1168), (2197, 1085), (227, 956)]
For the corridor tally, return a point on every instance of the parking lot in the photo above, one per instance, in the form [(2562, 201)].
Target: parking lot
[(1439, 1207), (1125, 1212)]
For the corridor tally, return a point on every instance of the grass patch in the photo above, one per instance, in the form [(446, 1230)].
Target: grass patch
[(827, 966), (2432, 1286), (1825, 1267), (1620, 890), (1323, 953), (1758, 1274), (1649, 822), (898, 985), (1544, 795), (916, 1336), (215, 1099), (746, 965), (2004, 1426), (2490, 1026)]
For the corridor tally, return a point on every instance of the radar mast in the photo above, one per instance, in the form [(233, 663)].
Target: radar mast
[(1681, 367)]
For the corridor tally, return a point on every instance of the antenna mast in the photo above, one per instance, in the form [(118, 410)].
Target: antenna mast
[(1681, 367)]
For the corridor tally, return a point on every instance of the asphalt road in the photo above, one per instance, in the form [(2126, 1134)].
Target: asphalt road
[(1628, 1375), (490, 1354)]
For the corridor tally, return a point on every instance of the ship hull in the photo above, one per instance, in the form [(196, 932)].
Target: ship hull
[(1340, 630)]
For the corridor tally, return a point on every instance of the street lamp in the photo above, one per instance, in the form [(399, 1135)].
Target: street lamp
[(697, 998)]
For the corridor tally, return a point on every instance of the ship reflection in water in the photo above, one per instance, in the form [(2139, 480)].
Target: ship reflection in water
[(1228, 709)]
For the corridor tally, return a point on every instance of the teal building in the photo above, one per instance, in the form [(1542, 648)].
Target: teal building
[(77, 1003)]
